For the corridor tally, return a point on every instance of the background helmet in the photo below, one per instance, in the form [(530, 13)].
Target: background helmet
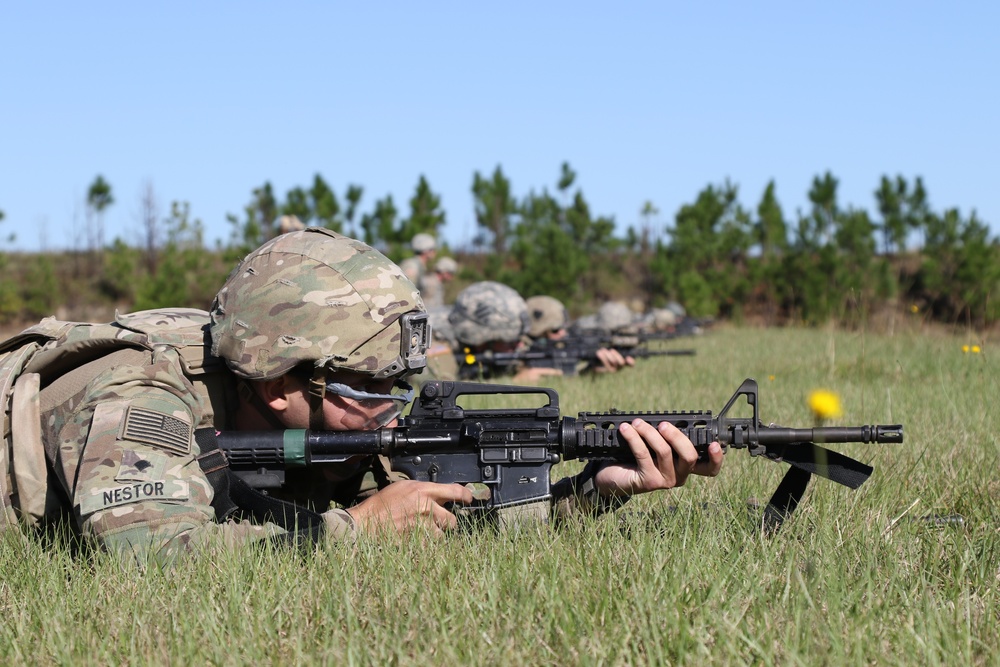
[(317, 296), (547, 314), (678, 309), (614, 317), (422, 243), (664, 318), (488, 311), (289, 223), (446, 265)]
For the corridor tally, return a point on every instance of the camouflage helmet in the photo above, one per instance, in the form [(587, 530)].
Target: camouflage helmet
[(547, 314), (677, 309), (317, 296), (663, 318), (614, 317), (422, 243), (488, 311), (446, 265)]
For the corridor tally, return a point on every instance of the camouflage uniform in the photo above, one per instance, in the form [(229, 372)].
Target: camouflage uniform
[(427, 282), (431, 289), (126, 456), (118, 430), (416, 270), (432, 283)]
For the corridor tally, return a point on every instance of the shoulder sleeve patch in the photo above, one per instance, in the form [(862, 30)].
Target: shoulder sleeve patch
[(157, 429)]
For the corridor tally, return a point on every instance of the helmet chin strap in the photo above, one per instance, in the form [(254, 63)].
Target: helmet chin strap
[(317, 394)]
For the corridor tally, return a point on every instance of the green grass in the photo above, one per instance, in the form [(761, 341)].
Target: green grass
[(682, 577)]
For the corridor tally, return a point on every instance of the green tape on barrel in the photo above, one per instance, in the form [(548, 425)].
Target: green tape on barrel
[(295, 448)]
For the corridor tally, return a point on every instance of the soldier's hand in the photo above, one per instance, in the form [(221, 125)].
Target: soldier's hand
[(610, 360), (408, 504), (664, 458)]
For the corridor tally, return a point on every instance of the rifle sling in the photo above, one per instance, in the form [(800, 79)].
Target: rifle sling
[(785, 499), (235, 498), (823, 462), (806, 459)]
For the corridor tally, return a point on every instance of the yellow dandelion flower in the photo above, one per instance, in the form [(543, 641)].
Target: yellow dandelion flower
[(914, 308), (975, 349), (965, 348), (771, 378), (825, 404), (470, 359)]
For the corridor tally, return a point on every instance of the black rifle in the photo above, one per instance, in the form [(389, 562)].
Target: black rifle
[(512, 450), (565, 354)]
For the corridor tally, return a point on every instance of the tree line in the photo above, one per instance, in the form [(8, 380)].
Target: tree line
[(717, 257)]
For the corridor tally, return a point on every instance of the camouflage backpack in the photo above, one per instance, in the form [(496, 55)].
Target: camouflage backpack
[(31, 360)]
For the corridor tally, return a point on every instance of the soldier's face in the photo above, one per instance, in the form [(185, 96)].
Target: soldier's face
[(341, 413)]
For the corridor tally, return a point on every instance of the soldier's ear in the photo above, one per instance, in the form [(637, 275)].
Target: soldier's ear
[(275, 392)]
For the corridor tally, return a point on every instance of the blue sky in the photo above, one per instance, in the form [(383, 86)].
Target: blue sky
[(645, 100)]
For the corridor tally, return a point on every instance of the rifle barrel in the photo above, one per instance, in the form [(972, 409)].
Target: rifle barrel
[(865, 434)]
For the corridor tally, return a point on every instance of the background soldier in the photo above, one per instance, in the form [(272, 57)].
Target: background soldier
[(548, 324), (490, 317), (434, 282), (289, 223), (486, 317), (416, 268)]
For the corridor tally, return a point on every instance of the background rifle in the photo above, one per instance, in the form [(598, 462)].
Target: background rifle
[(512, 450), (565, 354)]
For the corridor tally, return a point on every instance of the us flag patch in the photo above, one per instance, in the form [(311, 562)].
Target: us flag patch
[(157, 429)]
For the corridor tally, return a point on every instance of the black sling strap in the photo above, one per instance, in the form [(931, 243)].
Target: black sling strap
[(235, 498), (807, 459), (785, 499)]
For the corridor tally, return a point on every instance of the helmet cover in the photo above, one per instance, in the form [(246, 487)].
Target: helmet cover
[(446, 265), (488, 311), (614, 317), (547, 314), (422, 242), (317, 296)]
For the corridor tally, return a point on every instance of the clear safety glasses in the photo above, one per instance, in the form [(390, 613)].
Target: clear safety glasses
[(401, 391), (398, 398)]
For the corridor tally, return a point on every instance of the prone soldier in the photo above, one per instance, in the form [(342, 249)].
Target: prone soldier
[(549, 325), (111, 428), (490, 321)]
